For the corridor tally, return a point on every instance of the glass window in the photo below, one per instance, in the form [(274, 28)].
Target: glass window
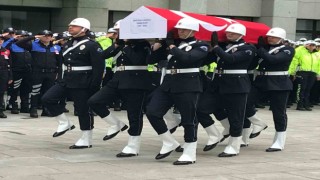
[(304, 24), (33, 21)]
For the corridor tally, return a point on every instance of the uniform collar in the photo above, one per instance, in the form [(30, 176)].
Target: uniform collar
[(190, 39), (236, 42)]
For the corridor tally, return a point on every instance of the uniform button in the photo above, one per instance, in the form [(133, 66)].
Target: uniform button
[(175, 61), (219, 75), (69, 59)]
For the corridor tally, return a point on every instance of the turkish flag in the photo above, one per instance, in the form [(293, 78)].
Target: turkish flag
[(150, 22)]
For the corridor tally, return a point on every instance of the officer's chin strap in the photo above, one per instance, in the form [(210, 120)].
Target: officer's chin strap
[(279, 41), (239, 38), (82, 30), (188, 35)]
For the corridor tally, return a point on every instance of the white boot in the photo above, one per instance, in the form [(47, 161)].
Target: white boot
[(168, 145), (173, 120), (133, 147), (258, 126), (115, 128), (64, 125), (189, 154), (233, 147), (278, 142), (214, 137), (85, 141), (226, 131), (245, 137)]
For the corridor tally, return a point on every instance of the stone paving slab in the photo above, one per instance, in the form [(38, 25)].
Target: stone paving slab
[(28, 151)]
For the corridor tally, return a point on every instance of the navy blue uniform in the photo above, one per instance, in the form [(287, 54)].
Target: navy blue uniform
[(229, 88), (278, 86), (179, 86)]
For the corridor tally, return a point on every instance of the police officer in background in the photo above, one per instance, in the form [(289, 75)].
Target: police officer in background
[(181, 86), (45, 63), (80, 77), (131, 82), (5, 73), (21, 67), (8, 35), (274, 60), (230, 86)]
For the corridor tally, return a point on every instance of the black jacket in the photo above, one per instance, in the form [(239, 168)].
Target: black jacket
[(276, 61), (21, 58), (238, 58), (87, 54), (45, 58), (191, 56), (134, 53)]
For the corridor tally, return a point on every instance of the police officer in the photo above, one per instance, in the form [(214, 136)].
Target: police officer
[(80, 77), (305, 67), (5, 73), (44, 65), (181, 86), (105, 42), (274, 60), (21, 67), (131, 81), (8, 35), (230, 85)]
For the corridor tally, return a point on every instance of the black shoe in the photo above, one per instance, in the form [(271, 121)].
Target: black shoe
[(209, 147), (244, 145), (33, 113), (56, 134), (183, 162), (66, 110), (300, 109), (223, 154), (121, 155), (107, 137), (2, 115), (161, 156), (224, 137), (272, 150), (116, 109), (15, 111), (79, 147), (253, 135), (172, 130)]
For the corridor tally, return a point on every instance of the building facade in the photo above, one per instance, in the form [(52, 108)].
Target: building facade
[(300, 18)]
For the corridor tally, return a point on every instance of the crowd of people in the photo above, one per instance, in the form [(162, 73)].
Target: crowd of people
[(97, 71)]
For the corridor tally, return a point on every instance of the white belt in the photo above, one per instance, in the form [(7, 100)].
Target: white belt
[(232, 71), (202, 68), (250, 71), (177, 71), (130, 68), (77, 68), (274, 73)]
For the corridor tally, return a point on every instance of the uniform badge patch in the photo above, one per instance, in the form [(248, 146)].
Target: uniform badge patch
[(287, 52), (249, 52), (99, 50), (82, 47), (188, 48), (205, 48)]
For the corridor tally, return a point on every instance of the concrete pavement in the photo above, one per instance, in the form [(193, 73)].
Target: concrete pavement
[(28, 152)]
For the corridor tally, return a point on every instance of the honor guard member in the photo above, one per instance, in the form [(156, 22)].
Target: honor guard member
[(181, 86), (21, 67), (305, 66), (80, 77), (230, 86), (44, 65), (5, 73), (131, 81), (106, 41), (274, 61)]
